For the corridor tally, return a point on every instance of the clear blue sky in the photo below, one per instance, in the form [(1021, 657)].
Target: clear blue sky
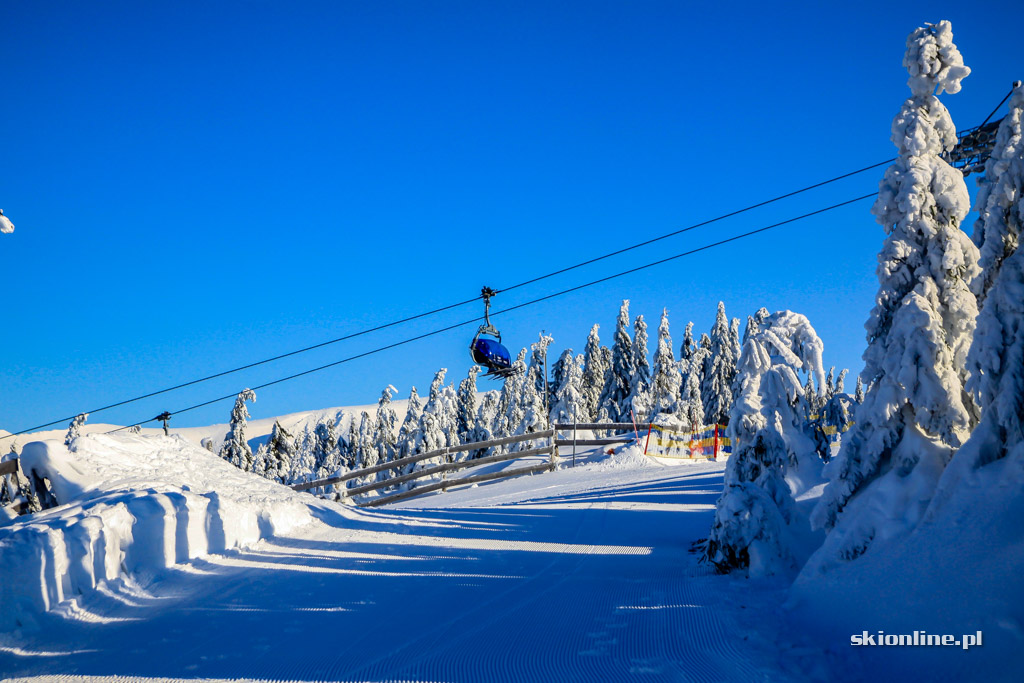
[(199, 185)]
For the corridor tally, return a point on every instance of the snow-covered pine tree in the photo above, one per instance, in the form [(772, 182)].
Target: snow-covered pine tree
[(568, 406), (757, 522), (510, 411), (1000, 207), (280, 454), (75, 430), (691, 404), (639, 400), (666, 384), (236, 449), (259, 461), (719, 371), (385, 427), (326, 455), (830, 385), (613, 404), (858, 394), (485, 417), (367, 450), (409, 436), (840, 386), (754, 323), (538, 359), (438, 421), (688, 347), (734, 338), (916, 412), (466, 407), (533, 414), (594, 370)]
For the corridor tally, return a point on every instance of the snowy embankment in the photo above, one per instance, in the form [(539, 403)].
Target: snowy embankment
[(131, 505)]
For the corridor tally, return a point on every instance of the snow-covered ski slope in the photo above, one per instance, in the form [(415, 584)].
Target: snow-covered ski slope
[(580, 574)]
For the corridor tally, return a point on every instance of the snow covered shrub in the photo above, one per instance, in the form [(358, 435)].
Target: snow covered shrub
[(916, 412), (757, 524), (75, 430)]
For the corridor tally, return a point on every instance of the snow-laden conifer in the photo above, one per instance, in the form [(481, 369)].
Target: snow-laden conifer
[(438, 421), (236, 448), (1000, 202), (691, 403), (568, 406), (466, 408), (858, 394), (915, 413), (613, 404), (409, 436), (719, 371), (594, 371), (666, 384), (385, 426), (757, 523), (75, 430), (280, 454), (639, 400), (688, 346)]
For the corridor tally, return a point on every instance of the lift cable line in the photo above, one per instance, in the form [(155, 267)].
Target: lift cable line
[(508, 310), (435, 311), (477, 298)]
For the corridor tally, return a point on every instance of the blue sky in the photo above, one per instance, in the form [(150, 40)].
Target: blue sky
[(200, 185)]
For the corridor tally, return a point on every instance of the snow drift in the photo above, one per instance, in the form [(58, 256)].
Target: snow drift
[(130, 506)]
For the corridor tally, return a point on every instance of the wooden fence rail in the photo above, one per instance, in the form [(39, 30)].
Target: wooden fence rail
[(408, 460), (9, 467), (457, 482)]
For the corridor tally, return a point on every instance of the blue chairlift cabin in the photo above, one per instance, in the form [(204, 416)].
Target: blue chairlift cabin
[(490, 353)]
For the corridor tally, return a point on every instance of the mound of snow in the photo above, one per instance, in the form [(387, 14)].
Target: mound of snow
[(130, 506)]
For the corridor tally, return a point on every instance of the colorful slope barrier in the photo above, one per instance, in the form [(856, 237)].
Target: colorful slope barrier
[(707, 443)]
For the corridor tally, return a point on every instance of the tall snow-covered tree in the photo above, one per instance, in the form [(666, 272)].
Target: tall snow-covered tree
[(409, 436), (719, 372), (75, 430), (510, 409), (594, 371), (666, 384), (916, 413), (613, 403), (280, 454), (754, 323), (385, 426), (858, 394), (236, 448), (1000, 207), (326, 456), (538, 359), (569, 400), (691, 404), (466, 409), (688, 347), (995, 451), (757, 522), (639, 400)]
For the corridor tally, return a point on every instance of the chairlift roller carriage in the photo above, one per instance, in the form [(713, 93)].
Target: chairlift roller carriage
[(489, 352)]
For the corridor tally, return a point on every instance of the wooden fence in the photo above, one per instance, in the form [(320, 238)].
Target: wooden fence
[(9, 467), (443, 468)]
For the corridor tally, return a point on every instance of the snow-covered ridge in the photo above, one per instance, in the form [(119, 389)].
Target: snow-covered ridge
[(130, 506)]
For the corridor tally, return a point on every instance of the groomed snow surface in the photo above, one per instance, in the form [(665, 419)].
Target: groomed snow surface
[(167, 563)]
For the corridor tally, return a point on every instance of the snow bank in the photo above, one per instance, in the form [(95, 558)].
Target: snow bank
[(131, 506)]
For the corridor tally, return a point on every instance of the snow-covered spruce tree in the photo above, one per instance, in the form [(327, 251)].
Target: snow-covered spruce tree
[(639, 400), (259, 461), (485, 416), (858, 394), (594, 370), (734, 338), (236, 449), (367, 449), (385, 427), (510, 411), (75, 430), (569, 397), (994, 455), (466, 407), (1000, 191), (280, 454), (409, 436), (438, 423), (666, 384), (612, 404), (754, 323), (326, 455), (691, 404), (538, 359), (719, 371), (688, 347), (916, 412), (758, 526)]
